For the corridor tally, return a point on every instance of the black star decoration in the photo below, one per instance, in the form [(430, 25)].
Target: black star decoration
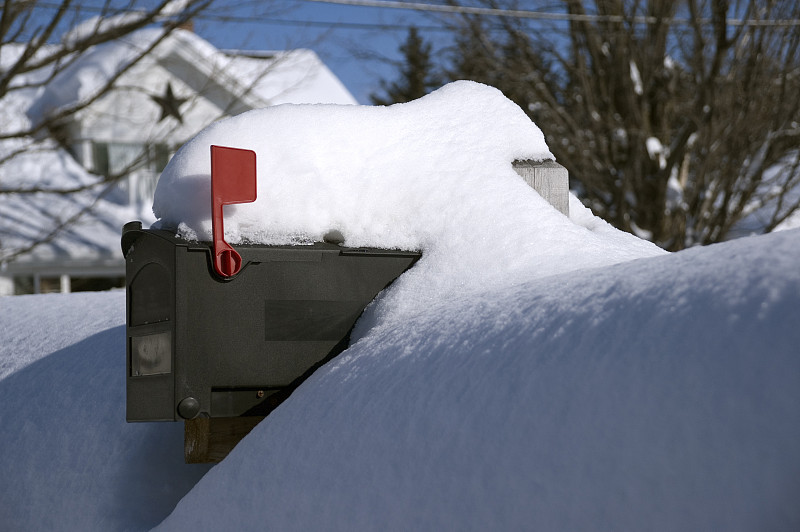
[(170, 104)]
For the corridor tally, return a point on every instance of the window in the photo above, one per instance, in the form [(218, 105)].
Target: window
[(113, 158), (100, 158), (47, 284), (140, 163), (37, 284)]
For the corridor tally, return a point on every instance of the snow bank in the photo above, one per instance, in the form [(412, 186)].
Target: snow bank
[(69, 460), (517, 377), (659, 394)]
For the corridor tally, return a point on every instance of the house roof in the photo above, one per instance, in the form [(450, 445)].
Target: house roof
[(256, 79), (250, 80)]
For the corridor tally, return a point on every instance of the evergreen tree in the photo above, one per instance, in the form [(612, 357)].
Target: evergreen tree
[(417, 74), (474, 56)]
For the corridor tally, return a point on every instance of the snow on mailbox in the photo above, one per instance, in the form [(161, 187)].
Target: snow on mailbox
[(218, 332)]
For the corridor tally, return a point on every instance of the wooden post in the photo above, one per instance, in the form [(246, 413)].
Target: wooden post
[(549, 179), (208, 440)]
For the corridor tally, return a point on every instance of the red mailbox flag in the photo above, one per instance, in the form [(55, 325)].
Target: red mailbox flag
[(233, 180)]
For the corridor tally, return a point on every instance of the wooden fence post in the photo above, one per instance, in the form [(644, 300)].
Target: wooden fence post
[(209, 440), (549, 179)]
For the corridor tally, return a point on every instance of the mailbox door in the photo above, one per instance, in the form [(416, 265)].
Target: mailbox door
[(150, 302)]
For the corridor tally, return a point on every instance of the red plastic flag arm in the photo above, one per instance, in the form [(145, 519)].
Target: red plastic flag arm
[(233, 180)]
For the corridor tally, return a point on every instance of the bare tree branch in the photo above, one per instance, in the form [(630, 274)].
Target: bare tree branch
[(38, 63), (669, 115)]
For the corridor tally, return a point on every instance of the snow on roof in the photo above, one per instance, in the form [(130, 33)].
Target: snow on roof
[(87, 74), (294, 76), (30, 217), (33, 216), (89, 240)]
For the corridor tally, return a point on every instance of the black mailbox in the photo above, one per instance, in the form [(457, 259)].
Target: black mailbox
[(203, 345)]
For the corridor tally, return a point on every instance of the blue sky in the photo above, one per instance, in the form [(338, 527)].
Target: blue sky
[(340, 34), (343, 36)]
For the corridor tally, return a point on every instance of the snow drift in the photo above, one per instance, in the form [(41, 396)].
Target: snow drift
[(660, 394), (532, 371)]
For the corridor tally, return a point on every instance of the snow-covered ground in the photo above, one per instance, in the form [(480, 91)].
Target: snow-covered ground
[(660, 394), (532, 372)]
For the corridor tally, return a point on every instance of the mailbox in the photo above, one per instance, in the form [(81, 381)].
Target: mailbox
[(229, 340), (199, 344)]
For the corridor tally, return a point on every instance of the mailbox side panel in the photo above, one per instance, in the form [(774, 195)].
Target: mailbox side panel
[(150, 311), (201, 345), (246, 338)]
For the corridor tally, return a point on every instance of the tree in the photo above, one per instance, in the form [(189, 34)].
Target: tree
[(675, 119), (32, 55), (71, 86), (417, 73), (34, 27)]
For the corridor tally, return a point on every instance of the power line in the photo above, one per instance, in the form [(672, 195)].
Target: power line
[(451, 9), (215, 16), (541, 15), (317, 23)]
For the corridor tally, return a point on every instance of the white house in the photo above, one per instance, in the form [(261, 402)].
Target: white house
[(62, 242)]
